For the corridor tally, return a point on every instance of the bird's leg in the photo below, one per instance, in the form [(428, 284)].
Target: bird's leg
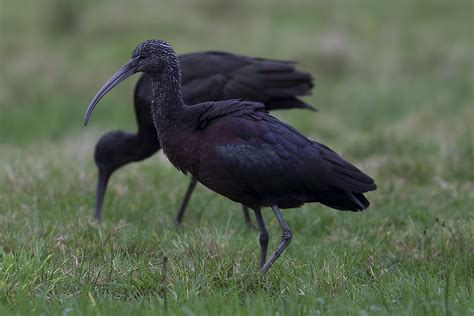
[(245, 210), (184, 204), (247, 219), (263, 237), (285, 239)]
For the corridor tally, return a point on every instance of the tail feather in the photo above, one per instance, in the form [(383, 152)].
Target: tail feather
[(360, 200), (342, 200), (287, 103), (346, 176), (276, 92), (288, 78), (347, 181), (269, 66)]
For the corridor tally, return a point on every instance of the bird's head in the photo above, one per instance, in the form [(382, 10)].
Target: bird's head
[(109, 155), (111, 151), (149, 57)]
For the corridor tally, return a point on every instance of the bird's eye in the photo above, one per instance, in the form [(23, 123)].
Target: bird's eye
[(138, 58)]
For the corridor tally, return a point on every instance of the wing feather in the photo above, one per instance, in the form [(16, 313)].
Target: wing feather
[(220, 76)]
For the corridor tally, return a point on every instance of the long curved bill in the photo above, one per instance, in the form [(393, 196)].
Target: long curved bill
[(100, 194), (126, 71)]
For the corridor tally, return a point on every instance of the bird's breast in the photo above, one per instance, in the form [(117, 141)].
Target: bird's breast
[(180, 149)]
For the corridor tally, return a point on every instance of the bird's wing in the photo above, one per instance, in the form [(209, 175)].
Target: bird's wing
[(208, 112), (267, 155), (221, 76)]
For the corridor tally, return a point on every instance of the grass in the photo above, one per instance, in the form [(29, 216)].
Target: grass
[(395, 93)]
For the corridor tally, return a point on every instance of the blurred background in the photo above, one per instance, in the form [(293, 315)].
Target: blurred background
[(394, 79), (394, 89), (375, 62), (394, 86)]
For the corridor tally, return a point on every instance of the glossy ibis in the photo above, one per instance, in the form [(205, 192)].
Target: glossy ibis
[(238, 150), (206, 76)]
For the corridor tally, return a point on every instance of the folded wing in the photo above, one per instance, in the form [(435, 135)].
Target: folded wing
[(273, 161), (221, 76)]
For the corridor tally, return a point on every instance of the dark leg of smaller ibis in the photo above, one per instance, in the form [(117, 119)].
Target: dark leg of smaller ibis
[(186, 199), (247, 219), (285, 239), (263, 237)]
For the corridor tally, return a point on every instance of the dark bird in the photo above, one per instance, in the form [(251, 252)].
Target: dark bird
[(206, 76), (238, 150)]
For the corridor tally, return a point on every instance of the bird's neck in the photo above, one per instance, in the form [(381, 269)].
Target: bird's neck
[(135, 147), (143, 98), (144, 118), (168, 102)]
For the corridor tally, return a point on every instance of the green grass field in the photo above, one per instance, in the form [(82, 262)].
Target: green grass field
[(394, 86)]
